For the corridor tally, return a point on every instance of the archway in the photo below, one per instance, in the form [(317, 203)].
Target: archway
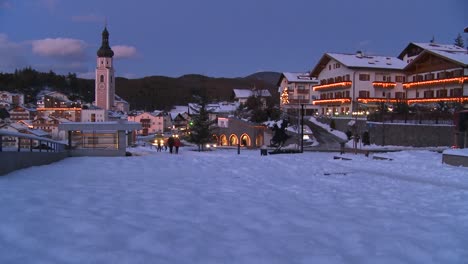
[(259, 140), (233, 140), (245, 140), (223, 140)]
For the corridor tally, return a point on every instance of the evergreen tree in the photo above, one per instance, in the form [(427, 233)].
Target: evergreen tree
[(459, 41), (255, 110), (201, 129)]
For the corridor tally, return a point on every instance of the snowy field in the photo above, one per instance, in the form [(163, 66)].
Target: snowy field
[(220, 207)]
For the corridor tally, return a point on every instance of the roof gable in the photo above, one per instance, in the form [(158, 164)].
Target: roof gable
[(443, 60), (359, 60), (414, 48)]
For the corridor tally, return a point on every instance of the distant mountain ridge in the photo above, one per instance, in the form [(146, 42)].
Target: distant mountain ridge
[(147, 93), (160, 92)]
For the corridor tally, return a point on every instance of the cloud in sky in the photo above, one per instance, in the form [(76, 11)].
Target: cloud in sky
[(59, 47), (88, 18), (124, 51)]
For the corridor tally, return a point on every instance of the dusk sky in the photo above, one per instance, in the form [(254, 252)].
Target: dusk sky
[(214, 37)]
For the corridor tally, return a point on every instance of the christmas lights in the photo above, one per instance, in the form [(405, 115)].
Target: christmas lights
[(377, 100), (285, 96), (458, 80), (384, 84), (333, 86), (332, 101), (440, 99)]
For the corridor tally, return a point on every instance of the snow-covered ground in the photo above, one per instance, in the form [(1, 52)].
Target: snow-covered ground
[(220, 207)]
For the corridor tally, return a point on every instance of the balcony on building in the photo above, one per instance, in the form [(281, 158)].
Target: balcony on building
[(299, 101), (440, 79), (338, 82), (385, 85), (333, 101)]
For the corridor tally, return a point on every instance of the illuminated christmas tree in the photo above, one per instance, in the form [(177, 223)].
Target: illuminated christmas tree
[(285, 96)]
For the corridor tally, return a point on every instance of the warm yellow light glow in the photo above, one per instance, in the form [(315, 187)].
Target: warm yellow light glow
[(58, 109), (376, 100), (332, 101), (456, 80), (333, 86), (384, 84), (285, 96), (440, 99)]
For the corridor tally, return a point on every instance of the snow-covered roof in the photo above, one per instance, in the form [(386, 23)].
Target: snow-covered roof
[(359, 60), (38, 132), (119, 99), (179, 109), (303, 77), (246, 93), (440, 47), (18, 126), (409, 49), (459, 57), (222, 107), (366, 61)]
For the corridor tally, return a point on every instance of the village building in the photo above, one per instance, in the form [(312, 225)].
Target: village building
[(18, 113), (11, 141), (436, 73), (296, 92), (241, 95), (50, 125), (357, 83), (423, 73), (11, 99), (236, 132), (152, 122), (93, 114), (121, 105)]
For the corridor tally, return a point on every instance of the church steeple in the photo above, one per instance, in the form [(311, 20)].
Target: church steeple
[(105, 50)]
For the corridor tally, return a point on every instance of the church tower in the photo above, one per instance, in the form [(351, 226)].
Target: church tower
[(105, 80)]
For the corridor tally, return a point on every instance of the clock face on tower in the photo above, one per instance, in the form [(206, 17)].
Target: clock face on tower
[(101, 86)]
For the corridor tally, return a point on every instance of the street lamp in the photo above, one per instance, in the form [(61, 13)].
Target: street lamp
[(302, 128)]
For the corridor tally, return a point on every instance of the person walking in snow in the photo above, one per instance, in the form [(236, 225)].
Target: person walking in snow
[(170, 142), (159, 146), (177, 145)]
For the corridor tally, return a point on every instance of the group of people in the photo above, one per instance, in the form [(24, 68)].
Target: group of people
[(172, 142)]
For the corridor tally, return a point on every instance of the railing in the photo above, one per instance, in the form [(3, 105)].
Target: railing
[(456, 80), (298, 101), (345, 100), (387, 85), (413, 118), (20, 142), (338, 85)]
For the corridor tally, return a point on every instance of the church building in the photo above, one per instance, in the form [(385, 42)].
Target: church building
[(105, 78)]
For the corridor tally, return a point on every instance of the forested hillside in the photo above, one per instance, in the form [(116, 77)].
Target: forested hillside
[(148, 93)]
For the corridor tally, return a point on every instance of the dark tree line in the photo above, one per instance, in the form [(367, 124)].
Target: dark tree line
[(30, 82)]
